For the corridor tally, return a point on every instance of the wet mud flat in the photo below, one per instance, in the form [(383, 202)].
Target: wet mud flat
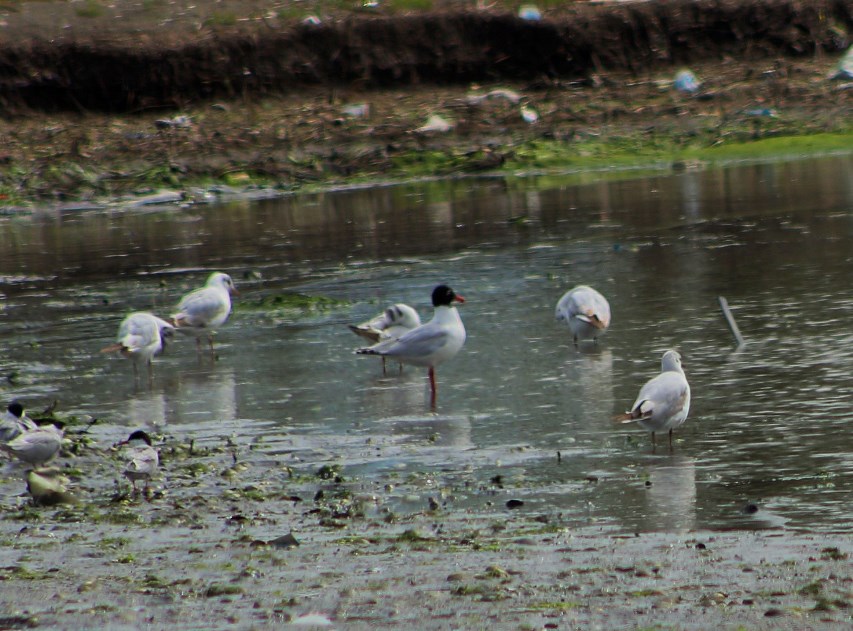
[(143, 97), (239, 534)]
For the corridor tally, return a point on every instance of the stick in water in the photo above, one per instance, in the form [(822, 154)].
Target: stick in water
[(724, 304)]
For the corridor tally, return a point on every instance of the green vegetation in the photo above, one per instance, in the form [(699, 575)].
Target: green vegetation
[(221, 18), (291, 305), (90, 9)]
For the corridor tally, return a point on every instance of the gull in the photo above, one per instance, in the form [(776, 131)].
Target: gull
[(663, 403), (15, 422), (429, 344), (392, 323), (49, 487), (142, 458), (203, 310), (36, 446), (141, 336), (585, 311)]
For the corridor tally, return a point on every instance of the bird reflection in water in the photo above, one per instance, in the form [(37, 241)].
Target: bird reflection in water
[(671, 494)]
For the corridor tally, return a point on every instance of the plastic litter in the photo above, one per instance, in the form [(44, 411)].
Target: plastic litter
[(177, 122), (762, 112), (435, 124), (844, 69), (498, 93), (529, 12), (529, 114), (357, 110), (686, 81)]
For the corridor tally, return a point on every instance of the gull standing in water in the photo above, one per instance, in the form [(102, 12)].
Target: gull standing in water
[(141, 336), (663, 403), (15, 422), (142, 458), (585, 311), (391, 324), (202, 311), (429, 344)]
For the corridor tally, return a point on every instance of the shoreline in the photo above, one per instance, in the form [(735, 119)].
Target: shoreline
[(755, 98)]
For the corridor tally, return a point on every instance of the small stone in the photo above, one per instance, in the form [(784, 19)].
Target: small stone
[(285, 541)]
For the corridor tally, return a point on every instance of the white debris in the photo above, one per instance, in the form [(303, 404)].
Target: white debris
[(498, 93), (844, 69), (181, 121), (357, 110), (529, 114), (435, 124)]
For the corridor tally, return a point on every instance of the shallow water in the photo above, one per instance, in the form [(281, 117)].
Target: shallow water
[(767, 426)]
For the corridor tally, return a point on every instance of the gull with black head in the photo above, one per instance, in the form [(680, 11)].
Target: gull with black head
[(431, 343)]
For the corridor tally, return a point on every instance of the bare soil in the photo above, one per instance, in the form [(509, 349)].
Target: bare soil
[(144, 95)]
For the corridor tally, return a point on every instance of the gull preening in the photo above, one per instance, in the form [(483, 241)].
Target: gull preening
[(391, 324), (141, 336), (664, 401), (202, 311), (429, 344), (142, 458), (36, 446), (585, 311)]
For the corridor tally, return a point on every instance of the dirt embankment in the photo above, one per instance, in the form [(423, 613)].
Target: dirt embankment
[(88, 68), (191, 95)]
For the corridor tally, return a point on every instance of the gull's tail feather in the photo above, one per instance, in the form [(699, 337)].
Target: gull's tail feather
[(631, 417)]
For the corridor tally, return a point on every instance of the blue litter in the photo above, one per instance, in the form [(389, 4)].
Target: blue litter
[(686, 81), (529, 12), (844, 69)]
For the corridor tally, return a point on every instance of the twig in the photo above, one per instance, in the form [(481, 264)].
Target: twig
[(730, 319)]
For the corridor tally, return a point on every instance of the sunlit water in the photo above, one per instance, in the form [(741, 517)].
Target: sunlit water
[(768, 426)]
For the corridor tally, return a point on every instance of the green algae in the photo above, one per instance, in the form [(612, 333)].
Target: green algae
[(291, 305)]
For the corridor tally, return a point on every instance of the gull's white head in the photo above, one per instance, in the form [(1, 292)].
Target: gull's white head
[(223, 281), (401, 315), (671, 361)]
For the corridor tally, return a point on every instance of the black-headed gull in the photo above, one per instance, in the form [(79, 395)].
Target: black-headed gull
[(203, 310), (429, 344), (142, 458), (141, 336), (15, 422), (585, 311), (37, 446), (391, 324), (664, 402)]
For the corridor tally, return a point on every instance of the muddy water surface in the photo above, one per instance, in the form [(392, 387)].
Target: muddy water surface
[(767, 430)]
